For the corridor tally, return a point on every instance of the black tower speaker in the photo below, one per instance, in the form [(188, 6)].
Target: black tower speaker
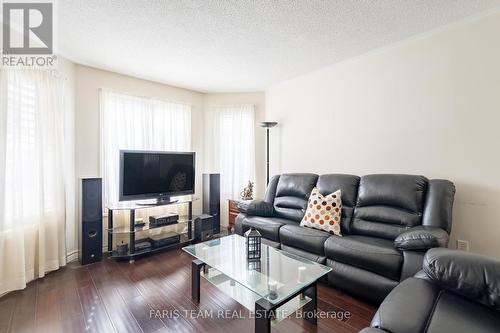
[(211, 198), (90, 218)]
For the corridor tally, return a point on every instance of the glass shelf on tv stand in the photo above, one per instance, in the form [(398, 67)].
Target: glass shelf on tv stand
[(182, 223), (128, 205), (185, 239)]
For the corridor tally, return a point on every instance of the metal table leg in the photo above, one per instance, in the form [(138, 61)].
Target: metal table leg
[(196, 266)]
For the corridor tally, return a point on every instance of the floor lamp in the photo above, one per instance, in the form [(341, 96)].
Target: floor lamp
[(267, 125)]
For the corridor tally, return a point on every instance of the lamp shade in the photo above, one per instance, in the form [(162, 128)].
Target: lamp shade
[(268, 124)]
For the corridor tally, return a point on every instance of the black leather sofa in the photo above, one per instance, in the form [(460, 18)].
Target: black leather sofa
[(388, 222), (455, 292)]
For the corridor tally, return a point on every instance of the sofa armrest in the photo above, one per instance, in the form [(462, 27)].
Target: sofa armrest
[(408, 307), (471, 275), (256, 208), (421, 238)]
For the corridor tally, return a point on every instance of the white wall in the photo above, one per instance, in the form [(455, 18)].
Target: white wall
[(257, 99), (430, 105), (87, 120)]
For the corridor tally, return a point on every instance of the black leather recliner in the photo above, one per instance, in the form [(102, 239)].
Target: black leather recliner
[(388, 222), (456, 292)]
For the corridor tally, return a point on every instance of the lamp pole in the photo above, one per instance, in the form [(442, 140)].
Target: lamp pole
[(267, 125), (267, 156)]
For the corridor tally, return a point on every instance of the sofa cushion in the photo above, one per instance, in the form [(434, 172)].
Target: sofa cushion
[(373, 254), (348, 185), (359, 282), (271, 243), (388, 204), (405, 191), (323, 212), (425, 307), (292, 192), (304, 254), (456, 314), (303, 238), (267, 226)]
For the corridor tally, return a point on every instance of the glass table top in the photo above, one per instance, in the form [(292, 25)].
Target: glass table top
[(275, 277)]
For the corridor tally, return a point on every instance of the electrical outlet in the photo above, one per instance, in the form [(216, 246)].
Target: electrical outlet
[(463, 245)]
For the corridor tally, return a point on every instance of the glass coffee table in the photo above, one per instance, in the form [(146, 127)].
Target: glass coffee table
[(272, 289)]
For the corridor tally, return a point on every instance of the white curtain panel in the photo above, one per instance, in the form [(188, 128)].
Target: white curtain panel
[(32, 182), (138, 123), (230, 147)]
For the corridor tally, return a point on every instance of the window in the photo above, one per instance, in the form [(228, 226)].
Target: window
[(20, 142), (231, 147), (34, 173), (32, 128), (132, 122)]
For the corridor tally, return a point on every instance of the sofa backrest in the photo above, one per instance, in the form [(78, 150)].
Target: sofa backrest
[(388, 204), (373, 205), (292, 193), (348, 184)]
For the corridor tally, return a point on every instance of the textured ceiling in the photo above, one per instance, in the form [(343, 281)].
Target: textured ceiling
[(229, 45)]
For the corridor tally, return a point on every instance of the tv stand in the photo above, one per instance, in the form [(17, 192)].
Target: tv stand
[(138, 234)]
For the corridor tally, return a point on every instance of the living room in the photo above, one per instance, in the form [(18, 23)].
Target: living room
[(286, 166)]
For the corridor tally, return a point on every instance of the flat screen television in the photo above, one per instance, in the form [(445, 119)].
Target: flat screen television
[(155, 174)]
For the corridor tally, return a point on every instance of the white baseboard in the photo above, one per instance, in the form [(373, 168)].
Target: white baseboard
[(72, 256)]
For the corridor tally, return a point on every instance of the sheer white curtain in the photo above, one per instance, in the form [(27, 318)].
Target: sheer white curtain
[(230, 148), (32, 169), (132, 122)]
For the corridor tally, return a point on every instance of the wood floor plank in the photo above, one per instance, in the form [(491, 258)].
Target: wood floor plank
[(112, 275), (175, 286), (48, 314), (151, 295), (166, 312), (140, 309), (94, 311), (117, 309), (147, 279), (7, 304), (70, 307), (72, 318), (23, 319)]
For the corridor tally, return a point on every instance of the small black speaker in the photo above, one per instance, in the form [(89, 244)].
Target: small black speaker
[(211, 198), (90, 220), (203, 227)]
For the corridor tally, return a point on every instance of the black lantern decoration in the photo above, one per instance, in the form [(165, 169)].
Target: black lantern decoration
[(253, 240), (254, 265)]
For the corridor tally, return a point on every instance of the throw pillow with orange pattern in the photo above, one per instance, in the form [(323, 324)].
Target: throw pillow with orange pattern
[(323, 212)]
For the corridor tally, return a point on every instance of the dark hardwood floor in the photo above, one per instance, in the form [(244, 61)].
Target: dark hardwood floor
[(112, 296)]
